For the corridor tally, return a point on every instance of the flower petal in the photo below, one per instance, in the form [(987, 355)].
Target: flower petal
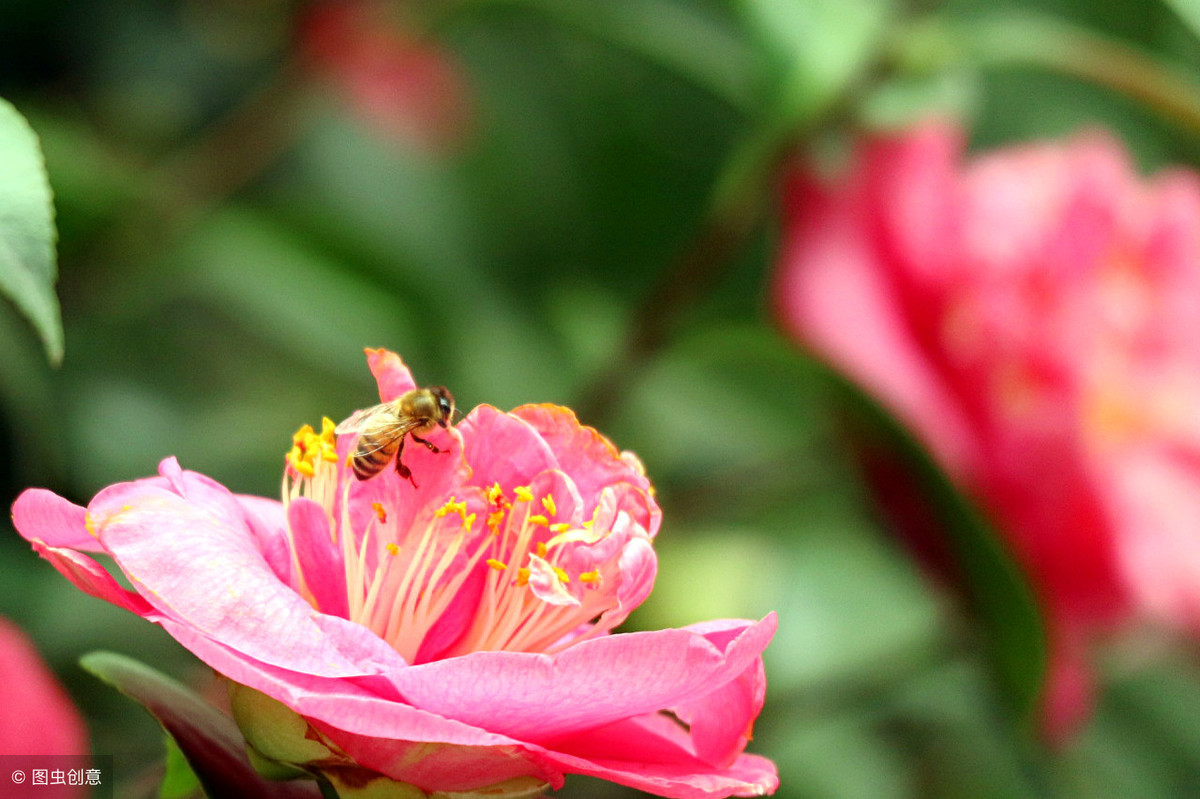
[(196, 560), (653, 753), (391, 375), (322, 565), (36, 715), (92, 578), (45, 516), (504, 449), (588, 457), (268, 524), (536, 697)]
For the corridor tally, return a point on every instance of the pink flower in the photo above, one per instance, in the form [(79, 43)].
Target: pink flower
[(454, 634), (1034, 316), (407, 88), (36, 715)]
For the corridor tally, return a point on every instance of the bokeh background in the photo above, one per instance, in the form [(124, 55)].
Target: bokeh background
[(571, 201)]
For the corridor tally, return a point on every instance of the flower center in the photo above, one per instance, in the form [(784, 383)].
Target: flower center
[(437, 576)]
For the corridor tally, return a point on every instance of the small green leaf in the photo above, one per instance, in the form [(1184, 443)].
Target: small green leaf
[(28, 266), (179, 781), (211, 742)]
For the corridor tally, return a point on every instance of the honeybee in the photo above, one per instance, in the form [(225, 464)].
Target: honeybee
[(383, 428)]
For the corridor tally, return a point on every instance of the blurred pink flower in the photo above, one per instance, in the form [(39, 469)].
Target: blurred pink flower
[(36, 715), (407, 88), (452, 635), (1034, 316)]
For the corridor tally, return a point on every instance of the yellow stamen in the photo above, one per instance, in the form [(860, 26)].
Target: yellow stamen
[(308, 448), (494, 520), (303, 433), (548, 504), (494, 494), (541, 549), (392, 549), (539, 520), (523, 493), (380, 511), (559, 527), (522, 576), (496, 564), (562, 575), (590, 577)]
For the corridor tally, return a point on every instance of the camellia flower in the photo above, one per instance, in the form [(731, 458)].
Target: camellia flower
[(451, 632), (36, 715), (1034, 317)]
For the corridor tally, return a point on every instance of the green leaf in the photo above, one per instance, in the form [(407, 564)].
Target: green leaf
[(1188, 11), (209, 739), (179, 781), (28, 266), (996, 585)]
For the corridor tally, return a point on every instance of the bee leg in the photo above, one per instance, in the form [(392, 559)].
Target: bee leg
[(429, 445), (401, 469)]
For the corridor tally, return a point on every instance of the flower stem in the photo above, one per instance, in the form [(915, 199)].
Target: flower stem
[(1039, 41)]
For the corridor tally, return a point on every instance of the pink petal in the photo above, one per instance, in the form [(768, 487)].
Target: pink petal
[(721, 722), (654, 753), (391, 374), (347, 705), (197, 561), (322, 565), (535, 697), (590, 458), (268, 524), (43, 515), (91, 578), (502, 448), (36, 715), (454, 621)]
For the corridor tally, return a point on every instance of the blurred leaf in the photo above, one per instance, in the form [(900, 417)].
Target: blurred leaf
[(1188, 11), (1144, 740), (209, 739), (179, 781), (842, 757), (28, 268), (816, 48), (299, 301), (947, 722), (904, 100), (995, 583), (679, 37)]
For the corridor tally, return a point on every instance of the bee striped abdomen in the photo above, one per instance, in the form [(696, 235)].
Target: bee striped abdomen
[(370, 456)]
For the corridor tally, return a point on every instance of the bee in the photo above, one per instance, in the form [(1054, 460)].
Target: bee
[(383, 428)]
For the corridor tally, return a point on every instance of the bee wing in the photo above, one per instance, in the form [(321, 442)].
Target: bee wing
[(356, 422), (379, 425)]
